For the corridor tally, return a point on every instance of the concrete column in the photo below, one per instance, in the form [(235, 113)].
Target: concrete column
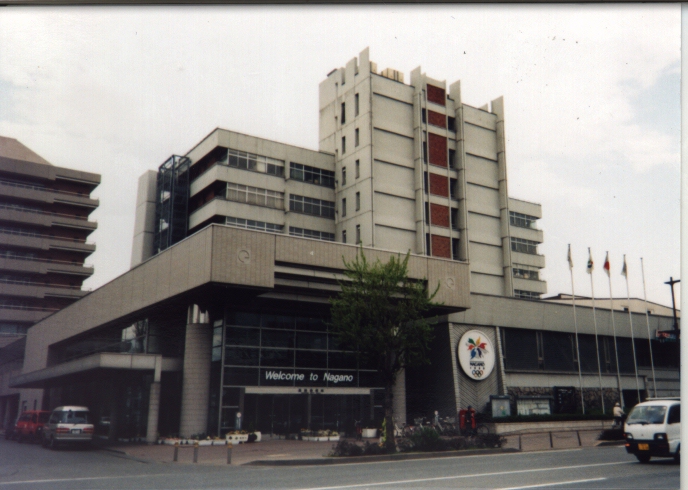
[(196, 379), (153, 411)]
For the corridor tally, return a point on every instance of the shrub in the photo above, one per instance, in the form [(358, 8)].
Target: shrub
[(252, 437), (488, 440), (346, 448), (427, 439)]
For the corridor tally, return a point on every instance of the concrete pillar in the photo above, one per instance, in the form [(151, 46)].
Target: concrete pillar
[(196, 376), (153, 411)]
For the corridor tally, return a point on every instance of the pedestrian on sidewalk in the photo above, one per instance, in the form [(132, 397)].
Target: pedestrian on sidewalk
[(618, 415)]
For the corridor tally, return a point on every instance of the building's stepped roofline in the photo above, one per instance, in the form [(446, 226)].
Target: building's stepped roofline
[(15, 150)]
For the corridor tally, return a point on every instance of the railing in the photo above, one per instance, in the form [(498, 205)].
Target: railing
[(42, 188), (50, 261), (41, 235), (47, 213), (20, 282)]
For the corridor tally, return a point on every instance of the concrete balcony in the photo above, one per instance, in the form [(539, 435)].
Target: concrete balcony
[(45, 243), (530, 285), (45, 219), (40, 291), (525, 207), (37, 266), (527, 233), (534, 260), (45, 196), (23, 315)]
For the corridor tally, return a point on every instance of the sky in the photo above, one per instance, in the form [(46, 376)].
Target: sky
[(592, 104)]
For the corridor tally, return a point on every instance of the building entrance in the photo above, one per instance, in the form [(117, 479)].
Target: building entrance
[(284, 414)]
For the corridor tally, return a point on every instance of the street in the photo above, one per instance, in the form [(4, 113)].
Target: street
[(24, 466)]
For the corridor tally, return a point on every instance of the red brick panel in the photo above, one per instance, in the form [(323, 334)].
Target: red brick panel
[(436, 95), (439, 215), (438, 149), (441, 246), (438, 185), (437, 119)]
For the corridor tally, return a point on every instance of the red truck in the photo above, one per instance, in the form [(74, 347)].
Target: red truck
[(30, 425)]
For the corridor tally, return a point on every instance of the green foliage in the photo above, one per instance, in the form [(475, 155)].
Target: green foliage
[(427, 439), (379, 314)]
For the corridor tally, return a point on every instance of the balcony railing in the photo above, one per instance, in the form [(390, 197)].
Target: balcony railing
[(21, 185), (23, 209), (5, 231), (50, 261), (21, 282)]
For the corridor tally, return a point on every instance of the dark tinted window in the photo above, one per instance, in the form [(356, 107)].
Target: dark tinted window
[(241, 356), (74, 417), (242, 336), (675, 414), (521, 349)]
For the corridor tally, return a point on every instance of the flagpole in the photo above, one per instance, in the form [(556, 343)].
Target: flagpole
[(616, 349), (594, 319), (575, 326), (649, 337), (630, 320)]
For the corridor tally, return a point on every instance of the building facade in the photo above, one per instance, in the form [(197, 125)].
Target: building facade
[(44, 229)]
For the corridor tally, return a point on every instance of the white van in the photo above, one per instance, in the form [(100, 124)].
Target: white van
[(653, 428)]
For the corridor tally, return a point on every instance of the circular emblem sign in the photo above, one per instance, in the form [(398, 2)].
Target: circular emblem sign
[(476, 355)]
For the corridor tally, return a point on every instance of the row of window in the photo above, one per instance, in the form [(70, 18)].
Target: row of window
[(358, 204), (255, 195), (358, 235), (250, 224), (526, 272), (523, 246), (312, 175), (312, 206), (357, 140), (522, 220), (12, 329), (357, 168), (519, 293), (255, 163), (450, 122), (318, 235)]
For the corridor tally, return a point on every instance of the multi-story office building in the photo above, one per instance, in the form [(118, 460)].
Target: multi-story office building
[(400, 167), (44, 228), (213, 320)]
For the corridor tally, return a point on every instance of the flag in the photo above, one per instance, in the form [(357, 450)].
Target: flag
[(591, 265), (569, 258), (606, 264), (624, 271)]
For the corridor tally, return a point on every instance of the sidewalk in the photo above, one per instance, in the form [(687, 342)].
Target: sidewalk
[(291, 452)]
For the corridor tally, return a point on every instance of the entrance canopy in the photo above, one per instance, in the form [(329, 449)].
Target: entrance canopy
[(103, 360)]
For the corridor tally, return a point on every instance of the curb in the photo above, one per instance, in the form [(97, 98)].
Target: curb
[(121, 454), (375, 458)]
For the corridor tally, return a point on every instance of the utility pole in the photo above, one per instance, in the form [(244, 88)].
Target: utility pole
[(671, 283)]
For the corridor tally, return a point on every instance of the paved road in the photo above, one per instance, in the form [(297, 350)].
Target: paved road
[(24, 466)]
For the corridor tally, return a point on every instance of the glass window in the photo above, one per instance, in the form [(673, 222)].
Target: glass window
[(356, 107), (526, 272), (242, 336), (278, 321), (244, 319), (358, 201), (522, 220), (356, 137), (255, 163), (241, 356), (358, 168), (311, 340), (318, 235), (358, 234), (309, 358), (278, 338), (343, 176), (343, 236), (341, 360), (312, 175), (343, 111), (343, 144), (524, 246), (277, 357), (255, 195), (315, 207), (241, 376), (519, 293), (344, 208)]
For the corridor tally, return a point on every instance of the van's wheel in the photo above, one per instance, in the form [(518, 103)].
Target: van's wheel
[(677, 456), (643, 458)]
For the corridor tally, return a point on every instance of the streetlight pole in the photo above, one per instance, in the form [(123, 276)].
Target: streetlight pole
[(671, 283)]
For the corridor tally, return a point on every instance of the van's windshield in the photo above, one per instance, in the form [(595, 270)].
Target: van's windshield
[(74, 417), (647, 414)]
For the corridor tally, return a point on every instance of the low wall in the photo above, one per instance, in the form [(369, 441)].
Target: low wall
[(534, 427)]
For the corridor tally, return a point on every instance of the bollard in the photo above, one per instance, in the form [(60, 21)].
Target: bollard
[(519, 442), (579, 439), (229, 453), (195, 459), (551, 444), (176, 452)]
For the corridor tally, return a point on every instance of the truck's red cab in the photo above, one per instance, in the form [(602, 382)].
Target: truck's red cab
[(30, 424)]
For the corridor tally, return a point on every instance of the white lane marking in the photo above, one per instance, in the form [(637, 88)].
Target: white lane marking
[(570, 482), (477, 475), (56, 480)]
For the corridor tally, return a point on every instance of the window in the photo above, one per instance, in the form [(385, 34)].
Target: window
[(455, 218), (455, 249), (356, 108), (318, 235), (358, 201), (343, 144), (524, 246), (356, 138), (308, 205), (526, 272), (451, 123), (343, 112), (358, 168), (426, 182), (343, 176), (423, 115), (312, 175), (343, 236), (522, 220), (250, 224), (526, 294), (255, 195), (255, 163), (358, 234), (344, 208), (452, 188), (452, 158), (425, 151)]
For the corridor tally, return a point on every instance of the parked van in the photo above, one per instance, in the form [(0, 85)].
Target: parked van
[(69, 424), (653, 428)]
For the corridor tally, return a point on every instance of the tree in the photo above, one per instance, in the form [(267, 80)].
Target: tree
[(380, 314)]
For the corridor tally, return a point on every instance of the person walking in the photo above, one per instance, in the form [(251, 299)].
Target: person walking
[(618, 415)]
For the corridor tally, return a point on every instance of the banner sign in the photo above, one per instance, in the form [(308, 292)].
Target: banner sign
[(667, 335), (476, 354)]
